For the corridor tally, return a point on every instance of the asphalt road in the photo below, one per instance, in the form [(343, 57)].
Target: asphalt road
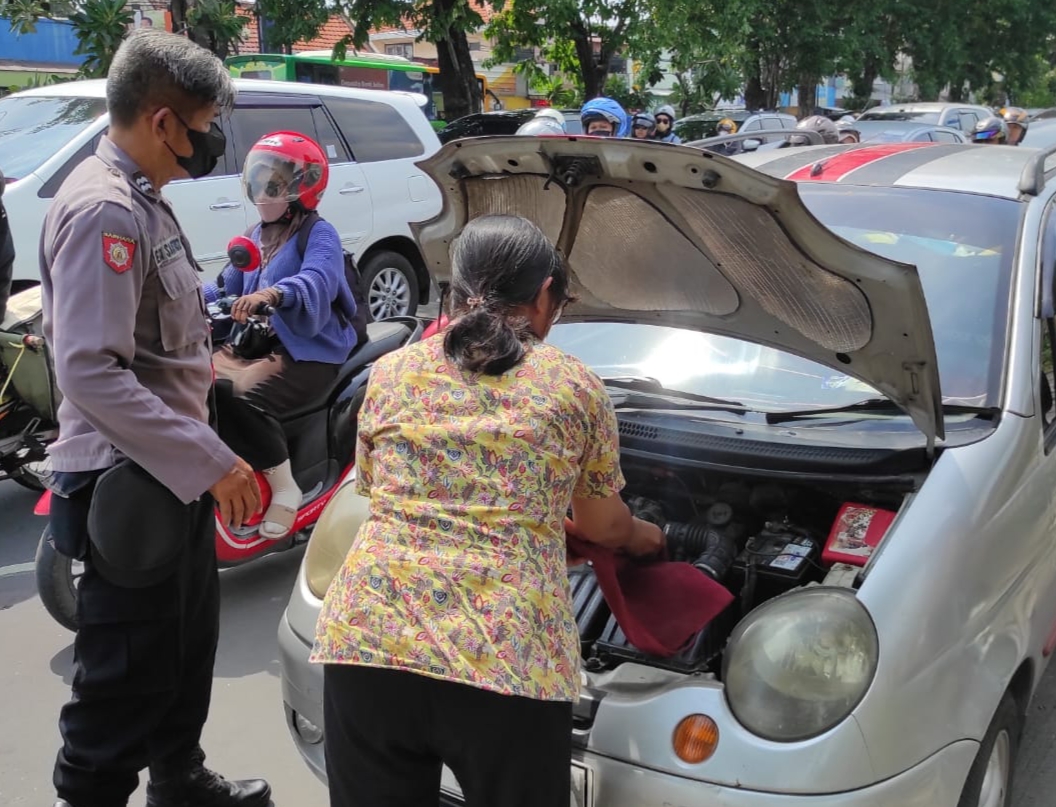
[(246, 734)]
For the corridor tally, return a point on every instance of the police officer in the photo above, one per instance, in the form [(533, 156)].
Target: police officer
[(138, 467), (7, 255)]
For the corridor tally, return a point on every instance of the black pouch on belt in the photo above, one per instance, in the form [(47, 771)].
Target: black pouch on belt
[(137, 526), (71, 496)]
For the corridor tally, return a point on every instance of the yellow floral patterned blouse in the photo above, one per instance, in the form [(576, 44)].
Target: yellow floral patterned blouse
[(459, 573)]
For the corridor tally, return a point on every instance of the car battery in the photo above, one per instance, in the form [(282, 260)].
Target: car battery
[(773, 562), (855, 534), (613, 647), (588, 605)]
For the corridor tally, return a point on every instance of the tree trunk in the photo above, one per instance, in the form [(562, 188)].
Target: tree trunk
[(178, 10), (462, 95), (807, 97), (862, 86), (754, 94), (592, 72)]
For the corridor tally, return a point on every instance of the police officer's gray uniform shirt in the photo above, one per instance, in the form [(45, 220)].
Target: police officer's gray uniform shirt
[(124, 314)]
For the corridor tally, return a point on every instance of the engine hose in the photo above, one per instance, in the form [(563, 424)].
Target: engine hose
[(715, 551)]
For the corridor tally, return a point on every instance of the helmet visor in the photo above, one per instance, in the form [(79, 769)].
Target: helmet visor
[(269, 178)]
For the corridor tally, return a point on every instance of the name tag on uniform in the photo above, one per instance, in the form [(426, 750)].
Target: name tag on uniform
[(169, 250)]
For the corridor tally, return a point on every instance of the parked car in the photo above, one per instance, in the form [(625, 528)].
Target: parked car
[(1041, 134), (373, 140), (895, 131), (874, 440), (506, 122), (956, 116), (699, 127)]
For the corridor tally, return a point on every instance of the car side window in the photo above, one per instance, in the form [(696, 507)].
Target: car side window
[(968, 121), (374, 130), (250, 123), (327, 136), (1047, 381), (943, 137), (753, 125)]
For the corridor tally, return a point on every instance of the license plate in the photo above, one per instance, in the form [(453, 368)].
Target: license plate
[(582, 794)]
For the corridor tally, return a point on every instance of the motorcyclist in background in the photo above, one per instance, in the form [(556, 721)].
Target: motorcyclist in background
[(815, 123), (643, 126), (845, 128), (545, 122), (604, 117), (725, 127), (1017, 120), (992, 131), (665, 125)]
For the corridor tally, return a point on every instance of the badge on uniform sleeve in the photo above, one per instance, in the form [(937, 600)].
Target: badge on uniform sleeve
[(118, 251)]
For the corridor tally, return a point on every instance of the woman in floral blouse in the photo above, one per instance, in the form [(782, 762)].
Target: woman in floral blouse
[(448, 635)]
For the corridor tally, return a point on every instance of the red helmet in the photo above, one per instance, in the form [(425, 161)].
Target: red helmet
[(286, 166)]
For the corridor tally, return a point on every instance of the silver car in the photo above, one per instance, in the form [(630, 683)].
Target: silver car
[(956, 116), (835, 365)]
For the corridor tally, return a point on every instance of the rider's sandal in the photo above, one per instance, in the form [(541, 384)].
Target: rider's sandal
[(281, 515)]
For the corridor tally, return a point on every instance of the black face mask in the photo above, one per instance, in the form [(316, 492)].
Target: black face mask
[(208, 148)]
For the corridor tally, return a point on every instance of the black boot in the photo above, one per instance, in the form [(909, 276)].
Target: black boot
[(201, 787)]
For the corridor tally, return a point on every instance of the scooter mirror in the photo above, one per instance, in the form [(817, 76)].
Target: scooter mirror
[(243, 253)]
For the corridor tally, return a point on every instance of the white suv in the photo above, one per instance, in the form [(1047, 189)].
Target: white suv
[(373, 140)]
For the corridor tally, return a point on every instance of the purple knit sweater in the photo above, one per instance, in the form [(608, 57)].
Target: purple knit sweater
[(307, 322)]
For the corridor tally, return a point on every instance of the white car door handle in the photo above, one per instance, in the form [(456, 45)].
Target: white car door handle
[(352, 189), (225, 205)]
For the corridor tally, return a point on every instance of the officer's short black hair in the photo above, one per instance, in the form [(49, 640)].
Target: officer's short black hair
[(154, 69)]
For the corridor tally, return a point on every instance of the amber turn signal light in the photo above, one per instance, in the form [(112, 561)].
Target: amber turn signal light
[(696, 738)]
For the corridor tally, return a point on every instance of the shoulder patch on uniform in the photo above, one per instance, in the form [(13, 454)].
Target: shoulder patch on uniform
[(118, 252)]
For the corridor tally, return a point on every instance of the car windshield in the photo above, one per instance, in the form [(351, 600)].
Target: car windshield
[(33, 128), (920, 116), (962, 246)]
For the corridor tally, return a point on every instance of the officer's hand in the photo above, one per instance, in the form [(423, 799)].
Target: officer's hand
[(237, 495), (244, 307)]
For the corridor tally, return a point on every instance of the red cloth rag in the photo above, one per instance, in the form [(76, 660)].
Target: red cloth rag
[(660, 605)]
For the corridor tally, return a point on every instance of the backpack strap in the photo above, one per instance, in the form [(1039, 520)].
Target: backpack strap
[(305, 231)]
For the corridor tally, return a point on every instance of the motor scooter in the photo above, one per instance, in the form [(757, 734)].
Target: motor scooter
[(28, 398), (321, 435)]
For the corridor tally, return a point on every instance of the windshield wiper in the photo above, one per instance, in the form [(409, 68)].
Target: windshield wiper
[(654, 395), (878, 405)]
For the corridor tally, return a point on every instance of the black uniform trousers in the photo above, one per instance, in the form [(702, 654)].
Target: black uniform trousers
[(143, 673), (389, 732)]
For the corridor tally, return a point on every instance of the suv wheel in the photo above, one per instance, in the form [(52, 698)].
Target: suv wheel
[(390, 286), (989, 781)]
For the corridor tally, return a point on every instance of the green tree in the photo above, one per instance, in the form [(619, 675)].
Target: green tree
[(292, 21), (22, 15), (444, 23), (587, 33), (214, 24), (100, 25)]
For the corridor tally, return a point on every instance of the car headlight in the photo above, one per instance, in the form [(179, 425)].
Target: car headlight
[(799, 664), (333, 536)]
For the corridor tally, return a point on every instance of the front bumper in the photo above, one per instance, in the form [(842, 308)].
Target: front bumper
[(936, 782)]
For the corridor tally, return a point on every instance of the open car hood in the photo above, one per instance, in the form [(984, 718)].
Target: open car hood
[(669, 235)]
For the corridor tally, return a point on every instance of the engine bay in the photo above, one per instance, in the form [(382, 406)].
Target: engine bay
[(759, 538)]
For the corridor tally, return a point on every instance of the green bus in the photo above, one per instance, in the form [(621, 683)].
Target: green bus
[(370, 71)]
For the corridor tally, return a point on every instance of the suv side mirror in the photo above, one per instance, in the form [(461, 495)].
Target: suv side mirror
[(751, 145)]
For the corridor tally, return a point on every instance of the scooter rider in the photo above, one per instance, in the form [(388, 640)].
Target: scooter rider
[(545, 122), (665, 125), (1018, 121), (991, 131), (815, 123), (604, 117), (643, 126), (137, 465), (285, 176)]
